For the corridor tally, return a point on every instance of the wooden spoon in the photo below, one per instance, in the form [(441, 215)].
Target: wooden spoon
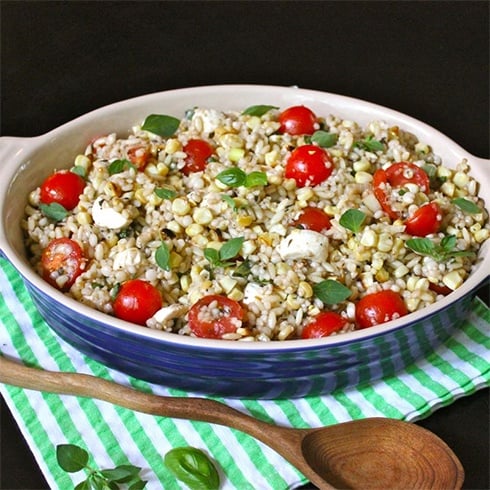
[(373, 453)]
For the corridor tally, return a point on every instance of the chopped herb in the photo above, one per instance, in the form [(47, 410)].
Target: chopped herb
[(254, 179), (223, 257), (165, 193), (118, 166), (79, 170), (440, 253), (258, 110), (243, 270), (331, 292), (370, 144), (161, 125), (54, 211), (467, 206), (230, 201), (162, 256), (192, 467), (72, 458), (352, 219), (324, 139)]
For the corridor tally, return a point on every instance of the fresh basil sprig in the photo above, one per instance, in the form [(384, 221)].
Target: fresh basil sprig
[(54, 211), (162, 256), (72, 459), (439, 252), (118, 166), (258, 110), (228, 251), (161, 124), (323, 138), (165, 193), (192, 467), (236, 177), (466, 206), (352, 219), (331, 292), (370, 144)]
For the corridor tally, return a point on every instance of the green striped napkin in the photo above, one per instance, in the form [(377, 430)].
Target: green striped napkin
[(114, 435)]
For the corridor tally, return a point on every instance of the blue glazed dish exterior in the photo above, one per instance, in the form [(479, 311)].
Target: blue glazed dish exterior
[(291, 373)]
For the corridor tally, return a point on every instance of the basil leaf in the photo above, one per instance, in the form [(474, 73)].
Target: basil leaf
[(255, 178), (191, 466), (165, 193), (370, 144), (331, 292), (122, 473), (71, 458), (230, 201), (423, 246), (352, 219), (231, 248), (467, 206), (448, 243), (54, 211), (243, 270), (83, 485), (162, 256), (232, 177), (258, 110), (79, 170), (324, 139), (118, 166), (161, 125), (212, 255)]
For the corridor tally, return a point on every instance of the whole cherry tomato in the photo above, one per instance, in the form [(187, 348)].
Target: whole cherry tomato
[(137, 301), (376, 308), (139, 156), (297, 120), (62, 187), (324, 325), (214, 315), (62, 262), (396, 176), (197, 151), (309, 165), (312, 218), (425, 221)]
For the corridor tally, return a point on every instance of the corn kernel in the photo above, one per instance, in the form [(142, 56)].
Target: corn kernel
[(231, 141), (235, 294), (82, 161), (448, 188), (202, 216), (194, 229), (443, 172), (270, 158), (305, 290), (453, 279), (412, 304), (174, 226), (363, 177), (304, 194), (244, 220), (84, 218), (180, 206), (253, 122), (175, 259), (185, 282), (461, 179), (200, 241), (361, 165), (385, 242), (293, 302), (369, 238), (228, 283), (139, 195), (236, 154), (481, 235), (172, 145), (401, 271)]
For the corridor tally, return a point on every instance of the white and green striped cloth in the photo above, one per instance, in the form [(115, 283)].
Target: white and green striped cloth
[(114, 435)]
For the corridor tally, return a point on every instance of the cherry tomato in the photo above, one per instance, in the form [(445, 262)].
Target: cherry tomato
[(309, 165), (62, 187), (396, 176), (380, 307), (139, 156), (324, 325), (198, 152), (214, 315), (297, 120), (425, 221), (313, 219), (62, 262), (136, 301)]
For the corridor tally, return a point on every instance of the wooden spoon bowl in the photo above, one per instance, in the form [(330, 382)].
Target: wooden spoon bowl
[(373, 453)]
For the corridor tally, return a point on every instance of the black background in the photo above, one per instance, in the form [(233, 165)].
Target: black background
[(427, 59)]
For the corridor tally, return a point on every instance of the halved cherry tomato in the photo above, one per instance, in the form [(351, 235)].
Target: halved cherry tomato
[(309, 165), (198, 151), (139, 156), (62, 262), (425, 221), (380, 307), (297, 120), (214, 315), (136, 301), (323, 325), (313, 219), (62, 187), (396, 176)]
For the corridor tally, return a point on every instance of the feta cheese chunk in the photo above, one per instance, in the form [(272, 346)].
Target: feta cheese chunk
[(304, 244), (170, 312), (108, 217), (130, 257)]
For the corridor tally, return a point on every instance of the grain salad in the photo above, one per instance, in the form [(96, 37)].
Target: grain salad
[(265, 224)]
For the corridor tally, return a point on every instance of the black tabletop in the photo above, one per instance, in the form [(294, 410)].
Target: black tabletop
[(427, 59)]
